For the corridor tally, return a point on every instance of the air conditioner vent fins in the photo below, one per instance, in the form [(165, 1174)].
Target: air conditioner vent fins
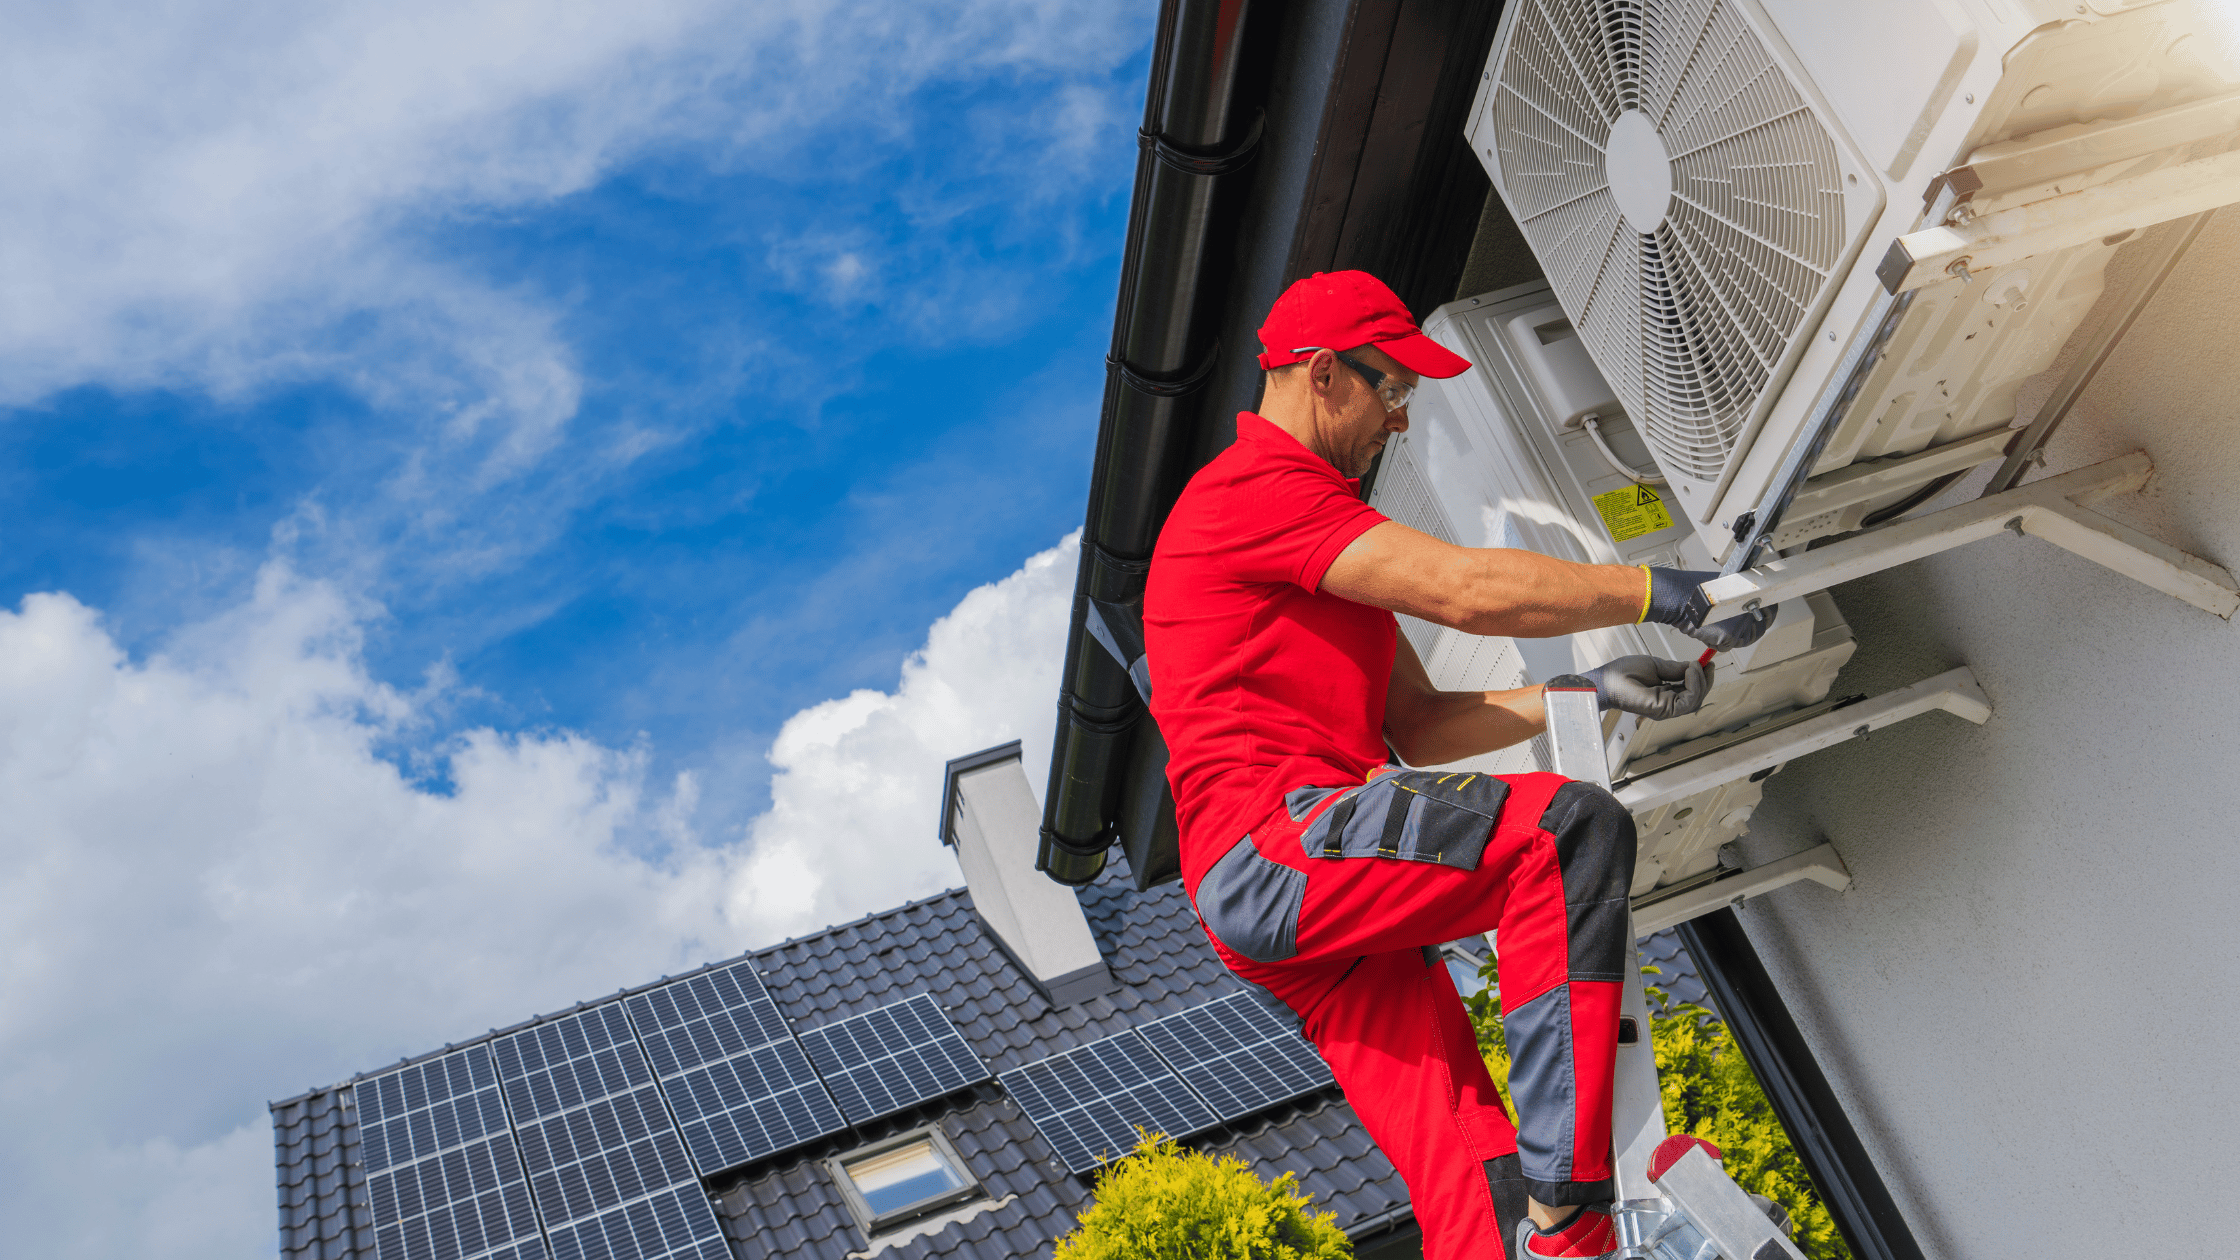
[(1690, 269)]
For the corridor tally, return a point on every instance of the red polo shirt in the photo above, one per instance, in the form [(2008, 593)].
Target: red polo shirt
[(1260, 681)]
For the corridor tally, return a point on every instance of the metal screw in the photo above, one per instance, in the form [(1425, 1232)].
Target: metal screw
[(2015, 527), (1831, 335), (1959, 268), (1971, 97), (1962, 214), (1751, 605)]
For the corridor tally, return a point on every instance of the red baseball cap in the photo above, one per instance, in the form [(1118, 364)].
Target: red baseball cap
[(1343, 309)]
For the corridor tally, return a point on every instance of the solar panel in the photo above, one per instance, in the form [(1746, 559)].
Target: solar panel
[(728, 1064), (899, 1055), (441, 1166), (1239, 1055), (605, 1162), (1088, 1101)]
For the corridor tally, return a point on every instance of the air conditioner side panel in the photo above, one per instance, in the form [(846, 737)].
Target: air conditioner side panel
[(1888, 69)]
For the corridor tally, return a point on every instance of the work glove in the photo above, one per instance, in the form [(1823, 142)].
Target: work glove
[(1650, 687), (1676, 599)]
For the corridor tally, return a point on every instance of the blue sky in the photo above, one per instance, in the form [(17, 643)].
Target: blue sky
[(505, 501), (822, 392)]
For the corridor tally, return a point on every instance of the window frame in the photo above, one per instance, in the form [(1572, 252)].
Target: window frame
[(875, 1224)]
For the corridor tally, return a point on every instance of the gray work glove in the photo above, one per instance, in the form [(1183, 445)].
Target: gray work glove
[(1676, 599), (1650, 687)]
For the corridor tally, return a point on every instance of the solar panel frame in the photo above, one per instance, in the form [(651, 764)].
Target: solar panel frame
[(897, 1056), (1240, 1056), (740, 1084), (1088, 1101), (444, 1175), (607, 1167)]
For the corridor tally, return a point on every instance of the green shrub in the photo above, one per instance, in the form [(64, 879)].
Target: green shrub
[(1165, 1202), (1708, 1091)]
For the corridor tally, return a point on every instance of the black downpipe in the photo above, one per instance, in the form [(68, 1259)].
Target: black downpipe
[(1753, 1011), (1181, 230)]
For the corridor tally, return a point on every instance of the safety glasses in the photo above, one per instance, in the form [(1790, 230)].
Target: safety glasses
[(1393, 394)]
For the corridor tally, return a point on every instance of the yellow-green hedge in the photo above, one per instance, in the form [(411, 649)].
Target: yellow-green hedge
[(1166, 1202)]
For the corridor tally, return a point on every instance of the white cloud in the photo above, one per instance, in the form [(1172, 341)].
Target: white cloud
[(229, 196), (215, 891), (855, 804)]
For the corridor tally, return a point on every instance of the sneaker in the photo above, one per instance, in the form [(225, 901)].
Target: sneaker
[(1588, 1235)]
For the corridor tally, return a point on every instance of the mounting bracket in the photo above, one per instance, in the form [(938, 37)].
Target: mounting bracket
[(1657, 910), (1955, 691), (2056, 509), (1954, 250)]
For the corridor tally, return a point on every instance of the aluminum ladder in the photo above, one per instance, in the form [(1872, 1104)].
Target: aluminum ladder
[(1694, 1211)]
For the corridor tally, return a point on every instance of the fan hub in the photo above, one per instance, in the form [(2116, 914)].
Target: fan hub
[(1639, 171)]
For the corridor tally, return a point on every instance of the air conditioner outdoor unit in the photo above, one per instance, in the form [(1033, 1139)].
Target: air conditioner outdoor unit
[(1489, 461), (1710, 186)]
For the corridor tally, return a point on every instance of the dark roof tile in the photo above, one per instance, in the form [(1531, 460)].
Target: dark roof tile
[(320, 1180), (1678, 977)]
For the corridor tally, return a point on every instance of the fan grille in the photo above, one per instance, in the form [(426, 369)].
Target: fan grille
[(1688, 321)]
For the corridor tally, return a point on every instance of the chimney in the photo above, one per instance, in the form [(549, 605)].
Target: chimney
[(988, 813)]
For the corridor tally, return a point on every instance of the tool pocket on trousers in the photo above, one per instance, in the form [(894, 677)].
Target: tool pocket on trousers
[(1413, 816), (1251, 904)]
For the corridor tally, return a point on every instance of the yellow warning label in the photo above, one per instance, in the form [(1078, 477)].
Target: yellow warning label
[(1632, 512)]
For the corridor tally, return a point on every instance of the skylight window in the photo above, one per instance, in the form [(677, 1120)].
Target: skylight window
[(903, 1178)]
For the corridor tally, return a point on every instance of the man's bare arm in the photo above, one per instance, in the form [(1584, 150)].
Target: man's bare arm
[(1484, 590), (1430, 727)]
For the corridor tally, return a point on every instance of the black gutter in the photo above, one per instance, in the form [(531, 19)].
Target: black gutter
[(1198, 139), (1750, 1005)]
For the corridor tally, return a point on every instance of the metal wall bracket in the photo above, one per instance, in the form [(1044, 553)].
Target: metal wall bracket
[(2056, 509), (1955, 691), (1954, 250), (1654, 913), (2047, 159)]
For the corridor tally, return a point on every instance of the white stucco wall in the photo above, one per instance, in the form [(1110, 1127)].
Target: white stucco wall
[(2030, 997)]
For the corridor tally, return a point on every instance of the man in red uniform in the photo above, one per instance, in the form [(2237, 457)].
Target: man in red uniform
[(1327, 874)]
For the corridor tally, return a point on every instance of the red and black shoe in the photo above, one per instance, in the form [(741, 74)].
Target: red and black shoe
[(1588, 1235)]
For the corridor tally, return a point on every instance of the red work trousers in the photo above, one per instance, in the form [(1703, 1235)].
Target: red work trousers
[(1336, 905)]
